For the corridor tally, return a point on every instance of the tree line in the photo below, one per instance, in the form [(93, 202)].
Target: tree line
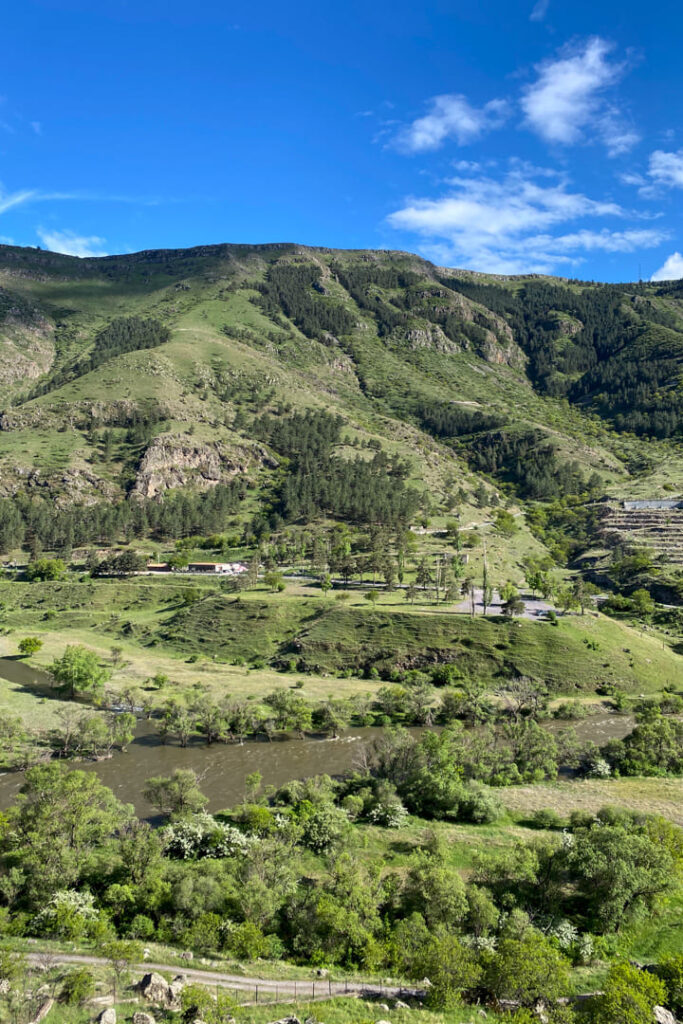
[(285, 876)]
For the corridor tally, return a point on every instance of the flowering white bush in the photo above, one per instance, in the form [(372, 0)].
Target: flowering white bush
[(598, 769), (203, 836), (67, 914), (565, 933), (388, 813)]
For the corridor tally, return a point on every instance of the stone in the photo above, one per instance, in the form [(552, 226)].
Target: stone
[(143, 1018), (287, 1020), (107, 1016), (155, 988), (187, 955), (663, 1016), (382, 1022), (400, 1005)]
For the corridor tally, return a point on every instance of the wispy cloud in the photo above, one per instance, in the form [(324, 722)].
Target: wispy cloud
[(666, 169), (567, 100), (450, 116), (11, 199), (671, 270), (71, 244), (540, 9), (22, 197), (506, 225)]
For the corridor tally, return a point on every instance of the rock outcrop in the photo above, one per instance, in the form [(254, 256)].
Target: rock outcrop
[(177, 461)]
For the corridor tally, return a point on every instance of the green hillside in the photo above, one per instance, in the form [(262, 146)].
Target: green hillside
[(277, 396)]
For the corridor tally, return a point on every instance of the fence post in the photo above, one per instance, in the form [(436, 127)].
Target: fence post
[(329, 986), (314, 990), (257, 993), (295, 991), (276, 991)]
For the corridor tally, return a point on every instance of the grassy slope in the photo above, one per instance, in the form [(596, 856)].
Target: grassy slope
[(156, 632)]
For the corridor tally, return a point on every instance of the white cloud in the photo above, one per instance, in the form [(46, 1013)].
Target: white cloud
[(540, 10), (71, 244), (450, 117), (632, 178), (617, 136), (6, 240), (666, 168), (671, 269), (506, 225), (567, 99)]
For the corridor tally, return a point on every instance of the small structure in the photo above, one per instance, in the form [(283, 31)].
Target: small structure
[(220, 568), (158, 567), (656, 504)]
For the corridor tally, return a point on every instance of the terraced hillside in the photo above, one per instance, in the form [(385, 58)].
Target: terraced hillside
[(659, 529)]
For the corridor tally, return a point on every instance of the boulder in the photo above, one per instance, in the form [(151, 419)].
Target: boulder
[(155, 988), (107, 1016), (287, 1020), (177, 985), (663, 1016), (187, 955), (143, 1018)]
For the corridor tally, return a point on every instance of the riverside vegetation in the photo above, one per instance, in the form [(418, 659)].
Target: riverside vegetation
[(417, 468)]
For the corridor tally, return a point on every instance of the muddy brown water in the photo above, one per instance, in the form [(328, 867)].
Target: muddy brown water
[(223, 767)]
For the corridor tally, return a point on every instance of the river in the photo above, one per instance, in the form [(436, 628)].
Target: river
[(222, 767)]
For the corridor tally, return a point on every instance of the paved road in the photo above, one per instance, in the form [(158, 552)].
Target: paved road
[(264, 987)]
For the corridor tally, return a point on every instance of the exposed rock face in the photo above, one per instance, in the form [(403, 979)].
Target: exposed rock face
[(172, 461), (430, 337), (72, 486), (107, 1016), (143, 1018), (27, 347)]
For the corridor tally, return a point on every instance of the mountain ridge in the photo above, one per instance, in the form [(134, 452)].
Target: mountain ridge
[(410, 336)]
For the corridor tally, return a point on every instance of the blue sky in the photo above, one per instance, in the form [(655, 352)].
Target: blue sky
[(497, 135)]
